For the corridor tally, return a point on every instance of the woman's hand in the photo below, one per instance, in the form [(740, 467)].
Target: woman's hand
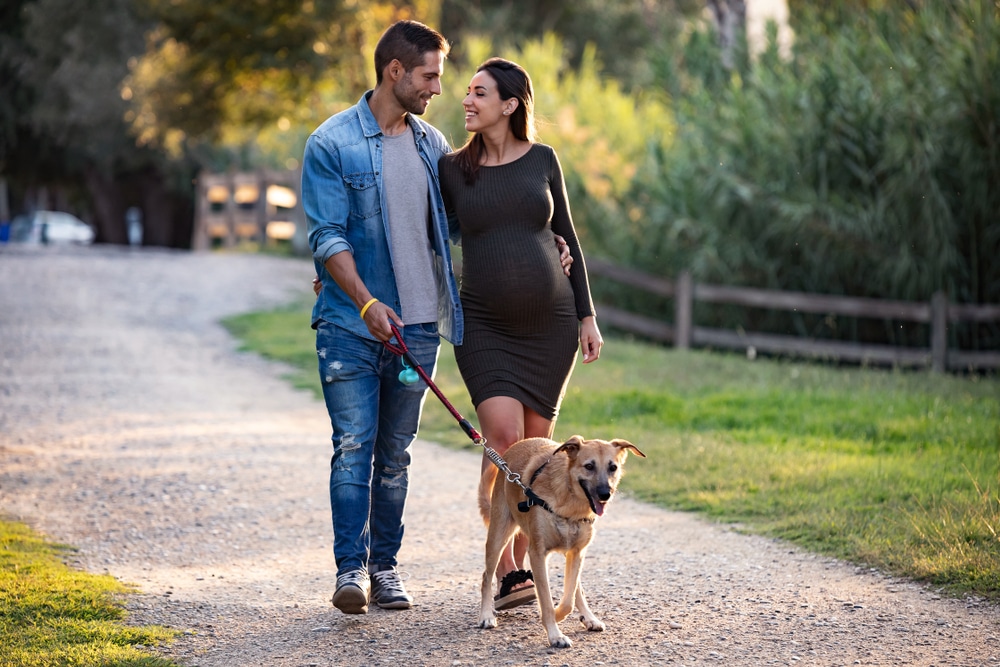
[(590, 339)]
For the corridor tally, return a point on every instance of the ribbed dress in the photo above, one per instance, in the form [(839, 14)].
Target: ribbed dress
[(521, 311)]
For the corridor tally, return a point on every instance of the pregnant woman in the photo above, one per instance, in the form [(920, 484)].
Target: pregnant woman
[(524, 318)]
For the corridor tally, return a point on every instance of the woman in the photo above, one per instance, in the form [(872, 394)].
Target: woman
[(524, 318)]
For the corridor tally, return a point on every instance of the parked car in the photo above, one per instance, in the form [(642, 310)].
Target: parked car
[(50, 227)]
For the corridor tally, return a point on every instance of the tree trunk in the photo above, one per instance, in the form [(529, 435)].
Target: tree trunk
[(731, 24), (167, 216), (109, 207)]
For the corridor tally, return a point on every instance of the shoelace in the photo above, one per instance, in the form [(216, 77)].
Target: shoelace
[(355, 577), (389, 580)]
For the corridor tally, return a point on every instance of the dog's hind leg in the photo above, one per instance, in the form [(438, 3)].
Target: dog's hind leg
[(501, 530)]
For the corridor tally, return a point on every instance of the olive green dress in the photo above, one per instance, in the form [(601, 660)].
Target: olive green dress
[(521, 311)]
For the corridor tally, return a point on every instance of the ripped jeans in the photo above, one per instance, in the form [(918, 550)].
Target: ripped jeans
[(374, 418)]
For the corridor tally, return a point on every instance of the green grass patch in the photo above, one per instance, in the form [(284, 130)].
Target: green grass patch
[(891, 469), (52, 614), (284, 335)]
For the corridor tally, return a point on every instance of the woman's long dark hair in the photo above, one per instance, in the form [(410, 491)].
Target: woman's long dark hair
[(512, 81)]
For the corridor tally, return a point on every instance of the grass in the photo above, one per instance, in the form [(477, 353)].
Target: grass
[(890, 469), (52, 614)]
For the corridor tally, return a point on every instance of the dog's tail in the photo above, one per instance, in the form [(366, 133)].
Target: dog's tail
[(486, 483)]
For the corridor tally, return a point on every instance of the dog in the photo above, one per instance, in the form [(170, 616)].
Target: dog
[(570, 485)]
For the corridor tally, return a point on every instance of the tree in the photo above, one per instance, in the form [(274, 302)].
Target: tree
[(67, 61), (216, 73)]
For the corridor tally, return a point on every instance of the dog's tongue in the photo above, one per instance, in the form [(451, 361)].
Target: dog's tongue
[(598, 508)]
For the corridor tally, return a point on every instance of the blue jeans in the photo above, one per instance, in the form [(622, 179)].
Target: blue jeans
[(374, 418)]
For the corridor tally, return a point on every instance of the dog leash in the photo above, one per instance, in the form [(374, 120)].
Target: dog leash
[(407, 376)]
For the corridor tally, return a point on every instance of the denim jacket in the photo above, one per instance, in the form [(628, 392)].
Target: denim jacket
[(344, 203)]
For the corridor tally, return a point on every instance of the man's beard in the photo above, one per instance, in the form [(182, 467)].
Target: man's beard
[(409, 97)]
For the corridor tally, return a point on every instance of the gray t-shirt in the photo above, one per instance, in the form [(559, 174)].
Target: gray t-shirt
[(405, 182)]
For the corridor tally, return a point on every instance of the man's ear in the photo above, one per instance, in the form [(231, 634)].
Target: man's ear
[(395, 70)]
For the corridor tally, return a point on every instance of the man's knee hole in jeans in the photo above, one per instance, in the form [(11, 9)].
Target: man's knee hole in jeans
[(348, 447), (394, 478)]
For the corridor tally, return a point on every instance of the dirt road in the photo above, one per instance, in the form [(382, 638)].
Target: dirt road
[(132, 428)]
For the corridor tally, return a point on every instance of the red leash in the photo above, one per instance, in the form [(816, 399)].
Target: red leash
[(400, 349)]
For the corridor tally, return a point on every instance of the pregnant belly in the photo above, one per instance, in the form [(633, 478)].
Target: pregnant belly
[(511, 297)]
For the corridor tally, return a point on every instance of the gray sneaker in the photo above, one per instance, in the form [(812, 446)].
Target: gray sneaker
[(388, 591), (353, 589)]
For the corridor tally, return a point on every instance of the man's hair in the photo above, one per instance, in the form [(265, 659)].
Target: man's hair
[(408, 42)]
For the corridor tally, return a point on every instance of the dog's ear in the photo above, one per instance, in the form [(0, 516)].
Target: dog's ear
[(571, 446), (626, 446)]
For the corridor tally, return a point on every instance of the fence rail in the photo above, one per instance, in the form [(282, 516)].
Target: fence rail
[(683, 333)]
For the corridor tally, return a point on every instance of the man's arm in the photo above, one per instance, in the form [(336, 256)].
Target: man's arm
[(344, 272)]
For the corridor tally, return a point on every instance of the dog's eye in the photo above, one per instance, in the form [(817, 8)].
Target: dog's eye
[(612, 467), (589, 465)]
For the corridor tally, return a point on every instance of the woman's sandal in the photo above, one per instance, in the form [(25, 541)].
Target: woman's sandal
[(508, 598)]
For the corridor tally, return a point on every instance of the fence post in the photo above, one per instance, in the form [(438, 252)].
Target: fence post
[(261, 206), (200, 240), (230, 210), (939, 332), (683, 296)]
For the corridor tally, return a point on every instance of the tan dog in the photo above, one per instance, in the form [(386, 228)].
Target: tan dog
[(574, 481)]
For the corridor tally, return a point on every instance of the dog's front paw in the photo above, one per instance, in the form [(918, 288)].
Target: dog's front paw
[(488, 622), (560, 641), (593, 624)]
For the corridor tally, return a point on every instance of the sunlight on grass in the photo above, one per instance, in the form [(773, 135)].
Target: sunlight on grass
[(891, 469), (51, 614), (286, 335)]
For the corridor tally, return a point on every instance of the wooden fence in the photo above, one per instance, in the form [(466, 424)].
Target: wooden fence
[(261, 206), (684, 333)]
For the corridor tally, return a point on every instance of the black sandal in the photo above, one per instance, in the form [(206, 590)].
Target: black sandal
[(508, 598)]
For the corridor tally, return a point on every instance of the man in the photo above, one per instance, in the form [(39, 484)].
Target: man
[(379, 236)]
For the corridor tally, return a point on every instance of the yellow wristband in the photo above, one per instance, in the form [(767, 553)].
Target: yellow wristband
[(364, 308)]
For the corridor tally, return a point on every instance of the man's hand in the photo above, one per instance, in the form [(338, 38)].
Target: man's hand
[(565, 259)]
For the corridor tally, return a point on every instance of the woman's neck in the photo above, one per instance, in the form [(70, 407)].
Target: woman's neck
[(502, 149)]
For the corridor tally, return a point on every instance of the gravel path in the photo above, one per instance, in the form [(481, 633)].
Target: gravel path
[(132, 428)]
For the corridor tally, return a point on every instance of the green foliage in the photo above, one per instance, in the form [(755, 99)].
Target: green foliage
[(64, 109), (245, 83), (209, 66), (53, 615), (63, 127), (899, 471), (624, 32), (864, 165)]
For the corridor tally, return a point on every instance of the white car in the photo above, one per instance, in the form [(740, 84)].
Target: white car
[(50, 227)]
